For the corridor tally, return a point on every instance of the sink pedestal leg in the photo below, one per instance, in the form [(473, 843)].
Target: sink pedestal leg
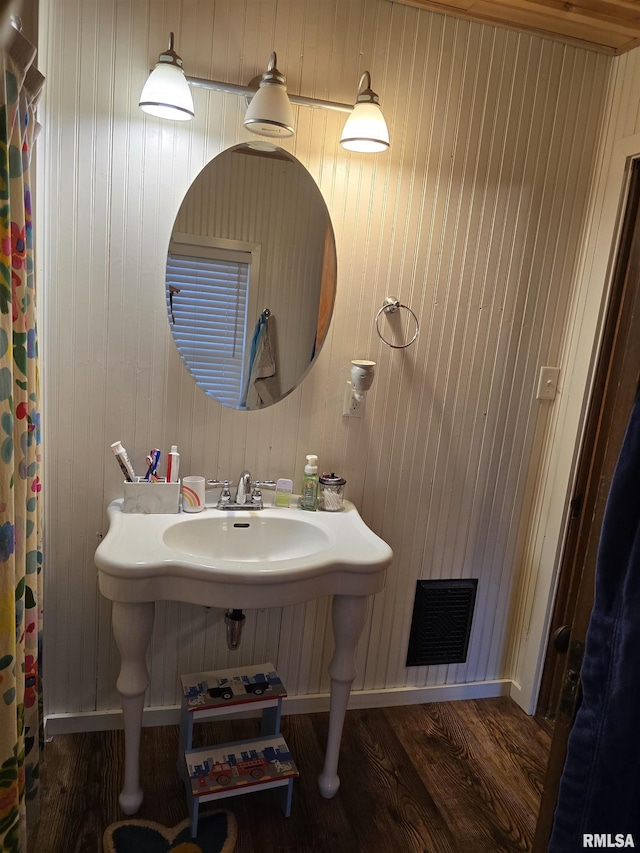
[(132, 626), (349, 612)]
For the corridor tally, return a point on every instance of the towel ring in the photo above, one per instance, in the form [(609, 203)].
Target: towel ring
[(390, 306)]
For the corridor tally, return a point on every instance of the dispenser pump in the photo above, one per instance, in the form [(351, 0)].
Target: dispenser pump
[(309, 495)]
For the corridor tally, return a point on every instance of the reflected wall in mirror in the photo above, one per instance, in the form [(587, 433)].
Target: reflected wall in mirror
[(251, 275)]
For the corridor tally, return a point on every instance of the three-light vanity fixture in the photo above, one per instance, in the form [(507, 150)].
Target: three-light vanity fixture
[(167, 94)]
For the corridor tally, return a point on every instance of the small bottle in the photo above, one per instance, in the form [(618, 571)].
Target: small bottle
[(123, 460), (173, 464), (309, 496)]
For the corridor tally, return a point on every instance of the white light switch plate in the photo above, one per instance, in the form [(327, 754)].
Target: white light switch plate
[(548, 383)]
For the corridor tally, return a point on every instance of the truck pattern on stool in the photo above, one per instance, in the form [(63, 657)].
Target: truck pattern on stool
[(236, 765), (231, 686)]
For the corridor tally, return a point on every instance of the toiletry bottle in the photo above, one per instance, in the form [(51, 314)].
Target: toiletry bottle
[(309, 496), (123, 460), (173, 464)]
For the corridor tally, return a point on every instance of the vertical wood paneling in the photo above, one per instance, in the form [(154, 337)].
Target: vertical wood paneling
[(474, 218)]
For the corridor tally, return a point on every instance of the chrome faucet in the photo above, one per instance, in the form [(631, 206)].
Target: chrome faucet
[(248, 493), (243, 492)]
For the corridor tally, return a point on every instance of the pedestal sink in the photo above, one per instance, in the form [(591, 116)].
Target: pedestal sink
[(236, 559)]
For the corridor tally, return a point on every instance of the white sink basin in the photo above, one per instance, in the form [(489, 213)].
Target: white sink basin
[(240, 558), (257, 538)]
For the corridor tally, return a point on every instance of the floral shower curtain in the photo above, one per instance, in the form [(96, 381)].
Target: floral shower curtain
[(20, 487)]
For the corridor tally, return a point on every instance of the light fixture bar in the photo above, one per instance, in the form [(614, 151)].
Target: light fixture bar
[(236, 89), (167, 94)]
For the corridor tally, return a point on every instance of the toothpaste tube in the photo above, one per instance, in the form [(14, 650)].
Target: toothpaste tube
[(123, 460)]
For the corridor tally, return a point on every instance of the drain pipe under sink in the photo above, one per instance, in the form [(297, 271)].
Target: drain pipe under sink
[(235, 620)]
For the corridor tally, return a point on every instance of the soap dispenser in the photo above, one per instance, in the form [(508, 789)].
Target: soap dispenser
[(309, 496)]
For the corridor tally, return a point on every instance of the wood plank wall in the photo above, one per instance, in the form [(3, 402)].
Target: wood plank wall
[(473, 218)]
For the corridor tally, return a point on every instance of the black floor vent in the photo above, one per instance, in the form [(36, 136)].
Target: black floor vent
[(441, 622)]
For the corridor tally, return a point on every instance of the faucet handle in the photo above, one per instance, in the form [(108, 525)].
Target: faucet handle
[(225, 494), (256, 494)]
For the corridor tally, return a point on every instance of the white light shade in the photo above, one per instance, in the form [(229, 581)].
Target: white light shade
[(365, 130), (166, 93), (270, 112)]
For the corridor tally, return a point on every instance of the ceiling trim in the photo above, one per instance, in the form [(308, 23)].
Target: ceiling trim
[(605, 26)]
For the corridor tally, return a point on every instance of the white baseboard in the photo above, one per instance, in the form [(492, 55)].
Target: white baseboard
[(517, 694), (93, 721)]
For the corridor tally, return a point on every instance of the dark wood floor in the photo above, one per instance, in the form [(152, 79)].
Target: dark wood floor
[(454, 777)]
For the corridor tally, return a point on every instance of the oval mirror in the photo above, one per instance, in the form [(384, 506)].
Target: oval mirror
[(251, 275)]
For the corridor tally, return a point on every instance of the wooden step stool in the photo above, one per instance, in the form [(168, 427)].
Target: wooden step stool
[(241, 767), (213, 694)]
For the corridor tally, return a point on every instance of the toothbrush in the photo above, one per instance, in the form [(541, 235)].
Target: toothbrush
[(152, 461)]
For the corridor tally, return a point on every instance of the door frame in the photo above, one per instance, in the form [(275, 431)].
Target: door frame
[(615, 390), (593, 452), (546, 530)]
